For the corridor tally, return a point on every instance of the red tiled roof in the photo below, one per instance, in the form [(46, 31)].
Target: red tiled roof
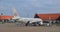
[(6, 17), (48, 16)]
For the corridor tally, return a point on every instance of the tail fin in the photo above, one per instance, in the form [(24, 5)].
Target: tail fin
[(15, 13)]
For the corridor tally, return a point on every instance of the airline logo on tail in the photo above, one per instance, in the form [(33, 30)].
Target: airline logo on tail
[(15, 12)]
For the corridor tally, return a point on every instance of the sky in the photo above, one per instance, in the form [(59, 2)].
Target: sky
[(28, 8)]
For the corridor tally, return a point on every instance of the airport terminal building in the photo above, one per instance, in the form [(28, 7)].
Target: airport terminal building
[(51, 16), (5, 18)]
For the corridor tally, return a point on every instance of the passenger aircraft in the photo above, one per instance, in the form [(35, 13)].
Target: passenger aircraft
[(36, 21)]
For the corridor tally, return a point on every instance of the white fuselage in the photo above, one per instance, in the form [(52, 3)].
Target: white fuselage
[(25, 20)]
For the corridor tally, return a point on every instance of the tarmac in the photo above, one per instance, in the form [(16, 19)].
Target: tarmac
[(12, 27)]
